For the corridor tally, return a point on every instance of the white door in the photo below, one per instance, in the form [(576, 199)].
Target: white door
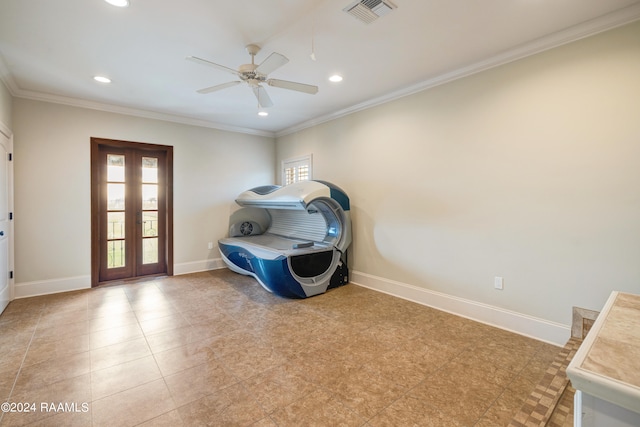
[(5, 220)]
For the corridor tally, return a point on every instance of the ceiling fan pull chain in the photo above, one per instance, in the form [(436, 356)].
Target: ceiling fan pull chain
[(313, 35)]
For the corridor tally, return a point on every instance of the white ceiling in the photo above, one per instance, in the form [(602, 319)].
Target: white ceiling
[(51, 49)]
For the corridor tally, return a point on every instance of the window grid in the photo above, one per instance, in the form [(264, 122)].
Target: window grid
[(303, 173), (290, 176), (295, 170)]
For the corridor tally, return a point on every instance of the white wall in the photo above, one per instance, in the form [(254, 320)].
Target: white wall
[(529, 171), (52, 187)]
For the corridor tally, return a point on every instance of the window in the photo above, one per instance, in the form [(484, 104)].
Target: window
[(296, 169)]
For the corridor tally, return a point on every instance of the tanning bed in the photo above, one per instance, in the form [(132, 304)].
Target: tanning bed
[(293, 240)]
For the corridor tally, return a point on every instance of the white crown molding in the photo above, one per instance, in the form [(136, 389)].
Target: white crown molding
[(7, 78), (16, 92), (586, 29), (4, 129), (607, 22), (110, 108)]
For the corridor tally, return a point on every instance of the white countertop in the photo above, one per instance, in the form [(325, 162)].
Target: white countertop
[(607, 364)]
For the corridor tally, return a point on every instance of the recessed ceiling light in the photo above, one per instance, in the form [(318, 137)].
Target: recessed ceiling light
[(335, 78), (102, 79), (263, 113), (118, 3)]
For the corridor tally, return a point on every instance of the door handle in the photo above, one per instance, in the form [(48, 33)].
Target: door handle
[(139, 218)]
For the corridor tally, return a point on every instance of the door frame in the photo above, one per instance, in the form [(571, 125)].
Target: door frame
[(96, 143), (8, 135)]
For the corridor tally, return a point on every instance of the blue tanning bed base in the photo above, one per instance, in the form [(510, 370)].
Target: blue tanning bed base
[(302, 250)]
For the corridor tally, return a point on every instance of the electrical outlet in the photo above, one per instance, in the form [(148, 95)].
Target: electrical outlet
[(210, 245), (498, 282)]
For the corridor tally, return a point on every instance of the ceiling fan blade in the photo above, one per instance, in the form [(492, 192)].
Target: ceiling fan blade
[(272, 63), (218, 87), (300, 87), (211, 64), (262, 96)]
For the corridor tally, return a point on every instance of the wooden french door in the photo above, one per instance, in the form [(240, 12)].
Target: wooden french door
[(131, 210)]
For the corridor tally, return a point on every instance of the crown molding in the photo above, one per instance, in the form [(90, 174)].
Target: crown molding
[(7, 78), (147, 114), (4, 129), (586, 29)]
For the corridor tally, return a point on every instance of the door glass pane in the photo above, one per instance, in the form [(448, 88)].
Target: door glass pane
[(115, 197), (149, 224), (115, 254), (115, 202), (150, 251), (115, 167), (115, 225), (150, 170), (149, 197)]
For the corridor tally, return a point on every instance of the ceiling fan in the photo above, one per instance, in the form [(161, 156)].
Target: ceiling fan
[(254, 75)]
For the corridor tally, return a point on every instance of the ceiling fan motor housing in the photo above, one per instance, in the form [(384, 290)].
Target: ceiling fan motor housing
[(254, 75), (247, 73)]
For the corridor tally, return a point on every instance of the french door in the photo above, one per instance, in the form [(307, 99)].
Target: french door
[(131, 210)]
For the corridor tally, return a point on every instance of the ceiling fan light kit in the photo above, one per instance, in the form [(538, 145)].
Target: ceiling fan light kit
[(254, 75), (118, 3)]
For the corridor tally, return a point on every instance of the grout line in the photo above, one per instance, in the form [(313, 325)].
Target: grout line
[(153, 355), (456, 355), (24, 357), (556, 369), (440, 368)]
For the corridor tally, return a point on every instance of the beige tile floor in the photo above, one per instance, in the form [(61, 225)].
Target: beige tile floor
[(214, 348)]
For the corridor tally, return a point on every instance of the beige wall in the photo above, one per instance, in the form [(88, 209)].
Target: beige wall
[(529, 171), (6, 106), (52, 183)]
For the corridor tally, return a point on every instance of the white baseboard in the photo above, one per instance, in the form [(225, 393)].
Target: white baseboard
[(198, 266), (54, 286), (66, 284), (540, 329)]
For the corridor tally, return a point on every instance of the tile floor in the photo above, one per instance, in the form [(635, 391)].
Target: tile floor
[(214, 348), (550, 403)]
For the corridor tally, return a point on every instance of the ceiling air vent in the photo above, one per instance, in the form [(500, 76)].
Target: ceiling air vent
[(368, 11)]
